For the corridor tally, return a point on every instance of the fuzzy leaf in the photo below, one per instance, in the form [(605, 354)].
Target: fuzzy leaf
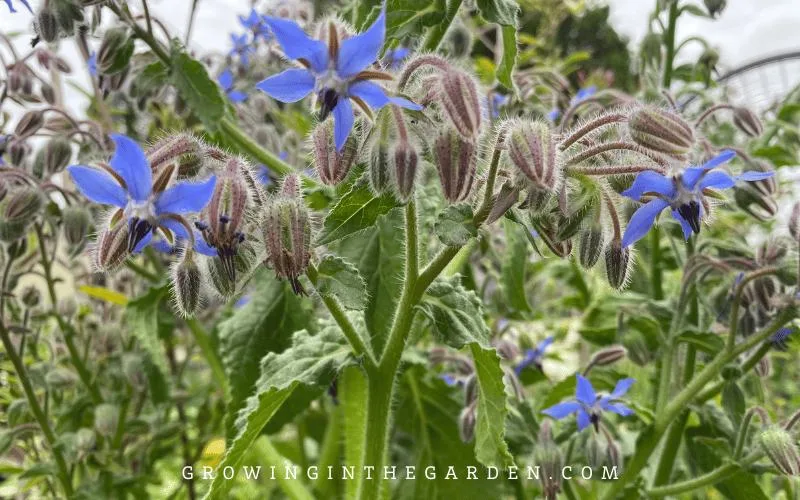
[(454, 225), (512, 271), (503, 12), (357, 210), (142, 317), (311, 362), (490, 444), (339, 278), (706, 342), (509, 60), (412, 16), (201, 93), (456, 314)]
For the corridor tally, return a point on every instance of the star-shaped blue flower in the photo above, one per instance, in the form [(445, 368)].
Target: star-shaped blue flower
[(127, 183), (336, 74), (256, 24), (242, 48), (24, 2), (533, 356), (226, 82), (589, 406), (682, 192)]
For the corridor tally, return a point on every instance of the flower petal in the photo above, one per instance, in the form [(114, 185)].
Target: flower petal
[(687, 228), (343, 122), (237, 96), (692, 175), (622, 387), (583, 419), (202, 247), (717, 179), (145, 241), (650, 181), (359, 51), (544, 344), (98, 186), (584, 392), (723, 157), (225, 79), (405, 103), (178, 230), (753, 176), (131, 164), (288, 86), (619, 409), (562, 410), (642, 220), (185, 197), (296, 44), (371, 93)]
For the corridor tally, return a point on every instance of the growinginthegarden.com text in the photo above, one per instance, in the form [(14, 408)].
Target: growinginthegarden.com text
[(401, 473)]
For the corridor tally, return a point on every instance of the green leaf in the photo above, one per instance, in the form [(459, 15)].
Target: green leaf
[(142, 318), (454, 226), (509, 60), (312, 361), (490, 444), (405, 17), (201, 93), (339, 278), (512, 271), (265, 324), (706, 342), (503, 12), (357, 210), (456, 314), (733, 402), (151, 77), (352, 394)]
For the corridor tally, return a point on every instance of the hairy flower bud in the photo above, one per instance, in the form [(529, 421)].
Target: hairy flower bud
[(187, 284), (660, 130), (185, 151), (763, 368), (404, 167), (287, 233), (46, 25), (590, 246), (77, 220), (608, 356), (219, 274), (18, 211), (747, 121), (332, 165), (617, 264), (48, 94), (18, 150), (715, 7), (467, 422), (106, 418), (532, 149), (58, 154), (31, 296), (380, 173), (112, 248), (115, 51), (794, 222), (781, 449), (459, 98), (29, 124), (548, 456), (3, 190), (456, 160), (596, 451)]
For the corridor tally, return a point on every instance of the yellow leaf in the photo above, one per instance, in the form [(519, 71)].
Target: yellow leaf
[(102, 293)]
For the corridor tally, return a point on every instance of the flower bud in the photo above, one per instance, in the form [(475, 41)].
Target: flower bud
[(763, 368), (709, 58), (68, 14), (404, 167), (59, 379), (187, 284), (287, 233), (106, 418), (459, 97), (456, 160), (590, 246), (532, 149), (332, 166), (638, 350), (18, 211), (467, 421), (48, 94), (77, 221), (31, 297), (115, 51), (470, 390), (46, 25), (751, 199), (18, 151), (781, 449), (794, 222), (617, 264), (182, 149), (548, 456), (507, 197), (596, 451), (747, 121), (660, 130), (58, 154), (85, 442), (380, 169), (459, 40), (29, 124), (219, 273), (3, 190), (608, 356), (715, 7), (112, 248)]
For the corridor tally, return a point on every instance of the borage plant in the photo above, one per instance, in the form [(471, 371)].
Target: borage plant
[(473, 290)]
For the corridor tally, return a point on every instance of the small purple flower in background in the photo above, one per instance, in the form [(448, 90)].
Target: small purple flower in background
[(24, 2), (498, 101), (243, 301), (533, 356), (241, 48), (450, 380), (780, 338), (128, 184), (257, 25), (682, 192), (336, 74), (92, 63), (225, 81), (263, 175), (554, 114), (4, 139), (583, 94), (589, 406), (393, 59)]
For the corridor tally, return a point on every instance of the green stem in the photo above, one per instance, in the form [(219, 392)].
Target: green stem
[(203, 341), (248, 145), (656, 278), (436, 33), (747, 365), (329, 454), (294, 488), (708, 479), (669, 41), (36, 409)]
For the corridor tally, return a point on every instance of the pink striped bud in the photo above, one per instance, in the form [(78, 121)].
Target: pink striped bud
[(533, 151), (332, 165), (287, 233), (456, 160), (660, 130), (459, 98)]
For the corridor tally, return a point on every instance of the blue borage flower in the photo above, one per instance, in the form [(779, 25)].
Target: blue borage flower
[(393, 59), (225, 81), (582, 94), (92, 63), (780, 339), (257, 25), (163, 245), (682, 192), (498, 101), (589, 406), (533, 356), (241, 48), (337, 73), (24, 2), (127, 183)]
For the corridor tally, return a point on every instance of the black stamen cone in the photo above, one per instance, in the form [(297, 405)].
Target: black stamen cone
[(137, 230), (691, 212), (595, 420), (328, 99)]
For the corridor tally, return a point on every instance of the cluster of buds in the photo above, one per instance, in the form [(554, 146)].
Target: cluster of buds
[(58, 20)]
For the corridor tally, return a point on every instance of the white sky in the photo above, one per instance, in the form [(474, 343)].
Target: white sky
[(748, 29)]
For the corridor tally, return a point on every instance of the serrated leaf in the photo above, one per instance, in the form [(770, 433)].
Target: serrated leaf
[(505, 68), (201, 93), (312, 361), (490, 444), (503, 12), (152, 76), (454, 226), (339, 278), (265, 324), (141, 317), (512, 271), (356, 211), (412, 16), (456, 314)]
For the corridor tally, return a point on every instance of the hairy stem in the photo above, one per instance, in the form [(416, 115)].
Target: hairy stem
[(707, 479)]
